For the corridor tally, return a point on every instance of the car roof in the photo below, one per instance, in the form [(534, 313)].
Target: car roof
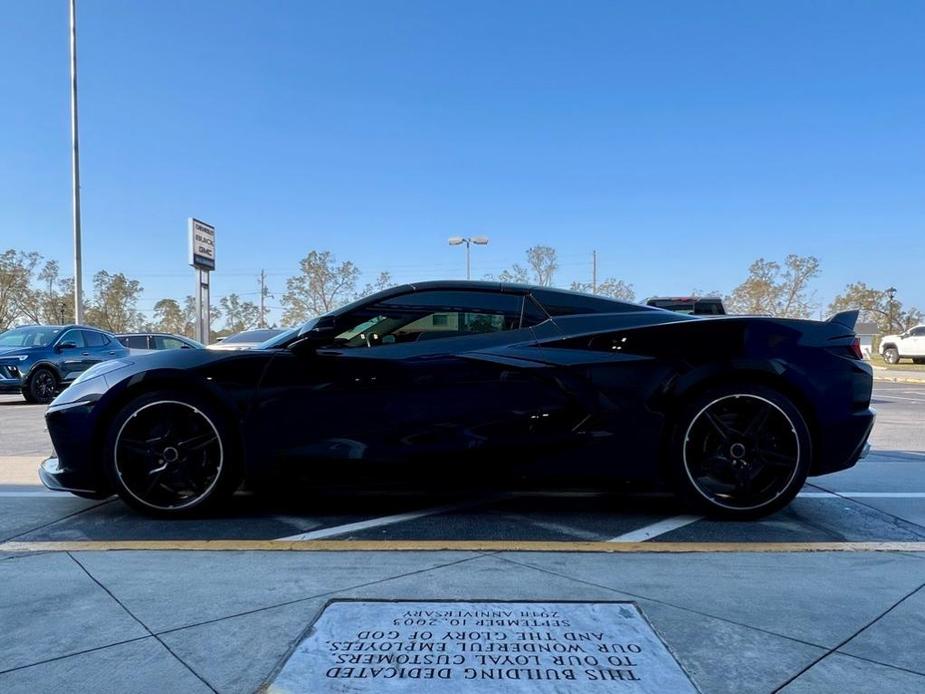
[(476, 285)]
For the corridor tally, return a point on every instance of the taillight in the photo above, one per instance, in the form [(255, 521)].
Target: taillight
[(856, 348)]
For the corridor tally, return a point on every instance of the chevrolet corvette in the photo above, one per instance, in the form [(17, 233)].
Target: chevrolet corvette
[(472, 382)]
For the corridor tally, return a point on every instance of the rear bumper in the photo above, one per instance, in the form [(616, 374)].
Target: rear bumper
[(839, 448)]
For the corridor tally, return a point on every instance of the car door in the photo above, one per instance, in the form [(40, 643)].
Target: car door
[(407, 380), (99, 347), (70, 349), (916, 343)]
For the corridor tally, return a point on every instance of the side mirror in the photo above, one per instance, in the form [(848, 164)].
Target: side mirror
[(66, 345)]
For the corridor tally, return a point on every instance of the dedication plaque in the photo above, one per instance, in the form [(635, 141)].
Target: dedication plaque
[(373, 646)]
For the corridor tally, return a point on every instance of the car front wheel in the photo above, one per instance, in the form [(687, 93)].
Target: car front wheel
[(891, 355), (42, 386), (170, 455), (740, 452)]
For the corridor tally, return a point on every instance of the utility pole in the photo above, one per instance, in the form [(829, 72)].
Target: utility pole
[(891, 292), (263, 290), (75, 174), (594, 272)]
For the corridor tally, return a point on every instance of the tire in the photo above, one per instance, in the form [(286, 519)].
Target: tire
[(172, 455), (739, 452), (919, 360), (42, 386), (891, 355)]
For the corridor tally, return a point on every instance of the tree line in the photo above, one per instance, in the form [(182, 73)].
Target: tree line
[(32, 290)]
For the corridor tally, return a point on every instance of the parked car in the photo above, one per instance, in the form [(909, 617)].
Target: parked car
[(907, 345), (141, 343), (694, 305), (479, 383), (38, 360), (246, 339)]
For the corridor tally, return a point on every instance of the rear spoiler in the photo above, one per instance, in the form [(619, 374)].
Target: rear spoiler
[(846, 319)]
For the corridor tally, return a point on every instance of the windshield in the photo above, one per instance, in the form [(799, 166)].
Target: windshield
[(278, 340), (29, 337), (252, 336)]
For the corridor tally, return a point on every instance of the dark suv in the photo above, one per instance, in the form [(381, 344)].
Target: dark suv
[(40, 360)]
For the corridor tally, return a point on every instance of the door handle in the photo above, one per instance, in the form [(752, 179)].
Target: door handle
[(85, 354)]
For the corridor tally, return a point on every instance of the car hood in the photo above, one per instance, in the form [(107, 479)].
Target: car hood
[(887, 338), (18, 350)]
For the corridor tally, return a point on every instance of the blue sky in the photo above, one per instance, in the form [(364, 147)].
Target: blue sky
[(681, 140)]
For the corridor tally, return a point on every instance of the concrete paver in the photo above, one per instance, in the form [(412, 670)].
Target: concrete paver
[(819, 598), (49, 608), (167, 590), (898, 638), (141, 667), (838, 674)]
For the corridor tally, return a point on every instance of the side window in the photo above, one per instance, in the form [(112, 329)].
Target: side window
[(561, 303), (75, 336), (431, 315), (94, 339), (135, 341), (162, 342), (918, 332)]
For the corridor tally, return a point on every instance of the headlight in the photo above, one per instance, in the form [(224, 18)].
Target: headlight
[(104, 367)]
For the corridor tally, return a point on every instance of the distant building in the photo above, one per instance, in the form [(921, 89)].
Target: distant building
[(866, 332)]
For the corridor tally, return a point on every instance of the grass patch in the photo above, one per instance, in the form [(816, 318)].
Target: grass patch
[(904, 365)]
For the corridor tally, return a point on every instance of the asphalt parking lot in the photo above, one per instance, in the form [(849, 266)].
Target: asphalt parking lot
[(759, 613), (880, 500)]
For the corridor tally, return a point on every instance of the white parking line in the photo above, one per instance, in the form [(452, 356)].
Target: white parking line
[(862, 495), (384, 520), (27, 495), (661, 527)]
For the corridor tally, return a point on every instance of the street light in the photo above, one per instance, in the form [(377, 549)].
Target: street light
[(891, 292), (468, 240)]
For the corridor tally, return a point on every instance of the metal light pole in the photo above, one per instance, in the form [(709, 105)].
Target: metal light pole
[(75, 173), (468, 240), (891, 292)]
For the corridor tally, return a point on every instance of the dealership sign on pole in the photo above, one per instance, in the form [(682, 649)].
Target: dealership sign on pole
[(202, 257)]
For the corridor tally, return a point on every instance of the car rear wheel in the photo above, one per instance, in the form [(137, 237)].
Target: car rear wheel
[(740, 452), (891, 355), (170, 455), (42, 386)]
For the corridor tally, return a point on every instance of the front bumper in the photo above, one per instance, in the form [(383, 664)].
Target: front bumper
[(74, 467), (60, 479), (10, 385)]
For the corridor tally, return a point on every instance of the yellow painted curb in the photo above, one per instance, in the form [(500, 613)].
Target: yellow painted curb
[(453, 545)]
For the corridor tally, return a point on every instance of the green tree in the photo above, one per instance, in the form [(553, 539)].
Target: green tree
[(16, 294), (542, 264), (113, 306), (169, 317), (610, 287), (874, 305), (322, 285), (239, 315), (191, 317), (777, 290)]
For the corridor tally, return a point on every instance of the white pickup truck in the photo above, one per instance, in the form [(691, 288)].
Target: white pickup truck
[(910, 344)]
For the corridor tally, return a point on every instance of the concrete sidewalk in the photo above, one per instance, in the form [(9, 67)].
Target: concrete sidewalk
[(160, 621)]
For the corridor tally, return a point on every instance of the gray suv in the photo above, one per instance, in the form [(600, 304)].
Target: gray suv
[(39, 360)]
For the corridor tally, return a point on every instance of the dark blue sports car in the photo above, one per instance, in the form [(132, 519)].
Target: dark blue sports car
[(475, 382), (39, 360)]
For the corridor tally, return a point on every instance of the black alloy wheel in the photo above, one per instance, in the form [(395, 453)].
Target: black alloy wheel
[(169, 456), (42, 387), (744, 452)]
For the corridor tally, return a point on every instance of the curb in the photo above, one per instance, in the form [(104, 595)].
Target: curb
[(899, 379)]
